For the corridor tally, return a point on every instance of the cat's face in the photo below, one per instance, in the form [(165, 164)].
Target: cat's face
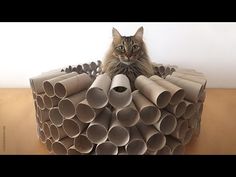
[(127, 49)]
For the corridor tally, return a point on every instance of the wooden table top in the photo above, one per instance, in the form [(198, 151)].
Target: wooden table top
[(18, 127)]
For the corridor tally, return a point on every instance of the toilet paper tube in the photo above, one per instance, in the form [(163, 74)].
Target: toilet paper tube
[(199, 107), (106, 148), (118, 134), (154, 92), (97, 131), (39, 124), (167, 69), (80, 69), (44, 115), (50, 102), (86, 67), (34, 95), (57, 133), (164, 151), (36, 83), (128, 116), (67, 106), (120, 91), (149, 113), (85, 112), (72, 151), (37, 111), (178, 110), (55, 117), (200, 80), (190, 109), (177, 93), (42, 136), (73, 127), (39, 99), (136, 144), (197, 129), (188, 136), (150, 152), (167, 123), (99, 63), (97, 93), (46, 129), (175, 145), (202, 96), (160, 67), (181, 128), (122, 151), (192, 89), (153, 138), (49, 143), (189, 71), (48, 85), (93, 65), (83, 144), (192, 122), (60, 147), (72, 85)]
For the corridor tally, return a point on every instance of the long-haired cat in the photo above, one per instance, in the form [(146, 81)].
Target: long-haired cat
[(127, 55)]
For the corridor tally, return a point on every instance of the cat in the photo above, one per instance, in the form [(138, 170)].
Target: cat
[(127, 55)]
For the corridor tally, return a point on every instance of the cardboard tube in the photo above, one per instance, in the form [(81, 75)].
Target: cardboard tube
[(99, 63), (154, 92), (128, 116), (72, 151), (86, 67), (192, 89), (136, 145), (166, 124), (190, 110), (50, 102), (83, 144), (197, 129), (192, 122), (44, 115), (46, 129), (55, 117), (177, 93), (189, 72), (36, 83), (57, 133), (164, 151), (202, 96), (97, 93), (67, 106), (39, 124), (34, 95), (37, 110), (39, 99), (85, 112), (48, 85), (79, 69), (175, 145), (118, 134), (60, 147), (42, 136), (49, 143), (106, 148), (199, 107), (97, 130), (122, 151), (150, 152), (154, 139), (93, 65), (178, 110), (160, 67), (188, 136), (72, 85), (149, 113), (181, 128), (73, 127), (193, 78), (120, 91)]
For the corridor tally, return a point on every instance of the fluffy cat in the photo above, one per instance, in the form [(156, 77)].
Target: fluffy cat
[(127, 55)]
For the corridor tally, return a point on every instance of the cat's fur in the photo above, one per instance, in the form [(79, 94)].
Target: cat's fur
[(127, 55)]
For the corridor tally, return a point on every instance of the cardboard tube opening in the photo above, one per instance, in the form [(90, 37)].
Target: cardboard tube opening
[(106, 148), (66, 108), (85, 113), (190, 110), (163, 99), (40, 102), (188, 136), (156, 141), (50, 101), (168, 124), (57, 133), (128, 116), (178, 150), (55, 117), (97, 98), (46, 129), (136, 147), (48, 88), (60, 147), (164, 151), (97, 133), (118, 135), (177, 97), (150, 115), (49, 143), (72, 151), (180, 109), (72, 127), (83, 144), (60, 90), (183, 127), (44, 115), (42, 136)]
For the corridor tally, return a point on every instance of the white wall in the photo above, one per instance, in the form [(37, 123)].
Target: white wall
[(27, 49)]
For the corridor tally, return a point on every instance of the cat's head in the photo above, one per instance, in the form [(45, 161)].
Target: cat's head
[(128, 49)]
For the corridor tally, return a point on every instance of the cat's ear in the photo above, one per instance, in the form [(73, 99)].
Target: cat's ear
[(116, 35), (139, 33)]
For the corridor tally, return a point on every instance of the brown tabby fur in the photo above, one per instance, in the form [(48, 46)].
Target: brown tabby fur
[(128, 55)]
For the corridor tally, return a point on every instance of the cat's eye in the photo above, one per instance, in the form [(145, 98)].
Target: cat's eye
[(135, 47), (121, 48)]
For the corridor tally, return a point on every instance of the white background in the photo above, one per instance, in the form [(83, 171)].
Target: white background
[(27, 49)]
